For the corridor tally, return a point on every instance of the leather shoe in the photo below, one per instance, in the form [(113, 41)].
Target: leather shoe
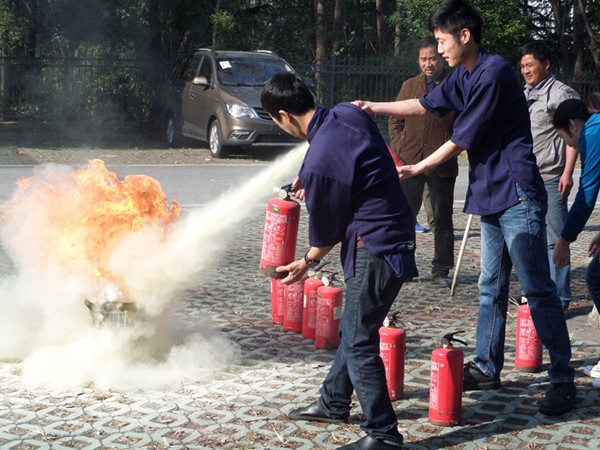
[(370, 443), (442, 280), (314, 413)]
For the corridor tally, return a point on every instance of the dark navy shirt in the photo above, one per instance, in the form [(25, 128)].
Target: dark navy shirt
[(493, 126), (352, 188)]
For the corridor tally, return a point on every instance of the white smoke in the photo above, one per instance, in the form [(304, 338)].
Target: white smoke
[(45, 325)]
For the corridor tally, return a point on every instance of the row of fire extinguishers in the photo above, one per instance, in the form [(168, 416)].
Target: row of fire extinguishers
[(313, 307)]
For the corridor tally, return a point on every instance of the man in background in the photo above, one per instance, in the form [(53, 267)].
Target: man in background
[(414, 139), (555, 160)]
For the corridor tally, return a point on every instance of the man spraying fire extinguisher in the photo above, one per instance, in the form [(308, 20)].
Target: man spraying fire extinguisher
[(352, 193)]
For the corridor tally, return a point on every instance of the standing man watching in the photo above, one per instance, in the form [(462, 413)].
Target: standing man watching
[(505, 189), (414, 139), (555, 160), (350, 185)]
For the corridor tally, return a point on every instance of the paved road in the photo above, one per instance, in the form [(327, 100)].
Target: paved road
[(196, 184)]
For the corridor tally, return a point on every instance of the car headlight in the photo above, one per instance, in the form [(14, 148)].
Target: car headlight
[(241, 112)]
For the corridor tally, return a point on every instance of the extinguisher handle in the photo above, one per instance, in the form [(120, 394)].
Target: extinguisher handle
[(449, 338), (392, 320), (316, 272)]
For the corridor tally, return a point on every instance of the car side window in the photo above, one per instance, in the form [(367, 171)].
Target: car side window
[(206, 70), (191, 68)]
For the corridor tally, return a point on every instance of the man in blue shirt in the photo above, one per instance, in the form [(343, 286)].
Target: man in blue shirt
[(353, 195), (579, 127), (505, 188)]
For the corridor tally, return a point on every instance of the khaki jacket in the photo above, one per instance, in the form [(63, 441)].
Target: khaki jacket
[(415, 138)]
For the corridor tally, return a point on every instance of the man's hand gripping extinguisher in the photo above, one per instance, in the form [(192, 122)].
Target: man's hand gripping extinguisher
[(280, 233), (445, 390), (392, 349)]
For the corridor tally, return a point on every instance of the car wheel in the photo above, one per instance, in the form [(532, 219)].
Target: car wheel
[(173, 133), (215, 140)]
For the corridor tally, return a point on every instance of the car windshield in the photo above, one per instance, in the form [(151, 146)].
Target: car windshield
[(249, 72)]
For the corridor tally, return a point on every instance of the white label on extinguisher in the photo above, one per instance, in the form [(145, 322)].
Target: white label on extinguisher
[(337, 313), (385, 354), (434, 394), (527, 340), (273, 248)]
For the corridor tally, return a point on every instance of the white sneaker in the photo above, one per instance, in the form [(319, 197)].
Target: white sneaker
[(596, 382), (592, 371)]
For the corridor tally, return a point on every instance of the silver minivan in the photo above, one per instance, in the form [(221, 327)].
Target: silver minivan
[(215, 98)]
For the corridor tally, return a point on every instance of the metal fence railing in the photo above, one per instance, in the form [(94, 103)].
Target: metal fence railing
[(48, 88), (74, 87)]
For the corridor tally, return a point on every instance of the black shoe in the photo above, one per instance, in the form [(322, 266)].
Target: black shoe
[(475, 380), (314, 413), (357, 419), (442, 280), (370, 443), (559, 399)]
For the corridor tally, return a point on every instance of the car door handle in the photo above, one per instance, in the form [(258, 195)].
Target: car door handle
[(192, 95)]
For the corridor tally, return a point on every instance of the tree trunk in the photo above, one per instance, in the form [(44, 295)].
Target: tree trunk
[(30, 44), (320, 45), (560, 32), (156, 52), (397, 32), (381, 28), (577, 39), (220, 5), (337, 25), (590, 32)]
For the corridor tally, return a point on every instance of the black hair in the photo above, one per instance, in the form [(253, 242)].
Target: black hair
[(593, 102), (540, 51), (570, 109), (286, 92), (452, 16), (428, 41)]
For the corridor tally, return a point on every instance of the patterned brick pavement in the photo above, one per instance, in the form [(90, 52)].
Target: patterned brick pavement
[(244, 405)]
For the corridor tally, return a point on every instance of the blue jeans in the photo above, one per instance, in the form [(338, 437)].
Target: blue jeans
[(517, 236), (555, 220), (592, 279), (357, 365)]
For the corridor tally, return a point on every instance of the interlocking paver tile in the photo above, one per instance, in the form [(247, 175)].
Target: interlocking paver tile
[(244, 405)]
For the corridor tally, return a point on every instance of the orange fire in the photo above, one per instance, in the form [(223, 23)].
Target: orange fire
[(82, 216)]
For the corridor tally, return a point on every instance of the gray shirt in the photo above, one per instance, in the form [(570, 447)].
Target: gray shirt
[(542, 101)]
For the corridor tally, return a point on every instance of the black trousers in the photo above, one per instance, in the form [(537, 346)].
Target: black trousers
[(441, 195)]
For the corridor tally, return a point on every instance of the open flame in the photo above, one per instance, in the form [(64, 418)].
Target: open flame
[(86, 212), (78, 234)]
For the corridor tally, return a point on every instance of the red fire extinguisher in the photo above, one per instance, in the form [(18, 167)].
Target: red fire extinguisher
[(328, 317), (529, 349), (398, 161), (280, 233), (445, 390), (309, 315), (293, 306), (392, 348), (277, 296)]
